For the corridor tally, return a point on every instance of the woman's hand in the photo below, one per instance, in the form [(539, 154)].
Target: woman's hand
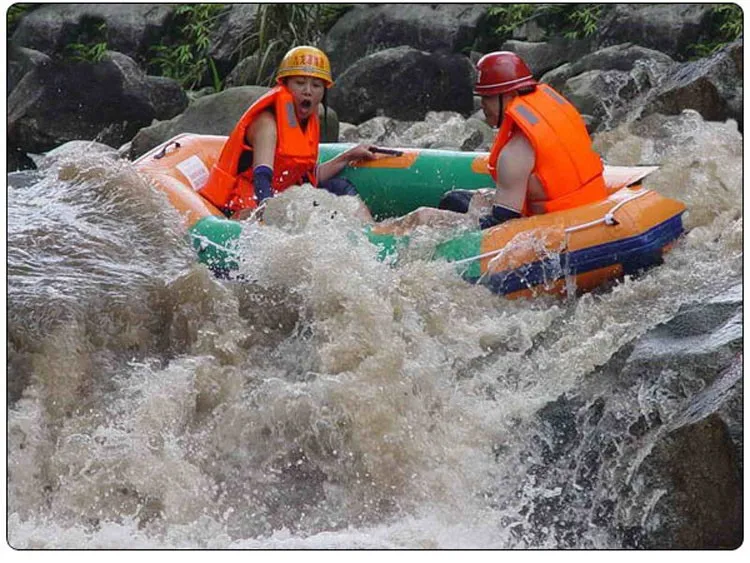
[(360, 152), (332, 167)]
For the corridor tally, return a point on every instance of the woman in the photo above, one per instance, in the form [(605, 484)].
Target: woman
[(275, 144)]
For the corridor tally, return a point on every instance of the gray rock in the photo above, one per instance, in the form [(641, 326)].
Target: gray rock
[(440, 130), (229, 36), (167, 96), (598, 93), (530, 31), (542, 57), (623, 57), (214, 114), (20, 62), (63, 101), (607, 84), (697, 332), (367, 29), (700, 507), (16, 160), (248, 71), (377, 84), (711, 86), (131, 28), (669, 28), (76, 147)]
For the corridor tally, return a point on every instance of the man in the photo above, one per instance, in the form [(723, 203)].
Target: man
[(541, 160)]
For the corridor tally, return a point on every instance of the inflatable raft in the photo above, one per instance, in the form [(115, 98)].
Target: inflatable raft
[(563, 252)]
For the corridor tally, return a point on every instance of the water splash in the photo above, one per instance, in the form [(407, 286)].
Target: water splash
[(327, 401)]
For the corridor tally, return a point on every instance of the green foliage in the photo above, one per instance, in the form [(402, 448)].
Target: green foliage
[(279, 27), (574, 21), (91, 43), (581, 20), (505, 18), (725, 27), (730, 18), (184, 57), (15, 13)]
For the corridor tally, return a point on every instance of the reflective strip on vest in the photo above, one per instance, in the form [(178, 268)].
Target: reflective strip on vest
[(291, 118), (554, 95), (526, 113)]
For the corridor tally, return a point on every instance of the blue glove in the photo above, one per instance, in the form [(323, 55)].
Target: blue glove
[(262, 176), (499, 215)]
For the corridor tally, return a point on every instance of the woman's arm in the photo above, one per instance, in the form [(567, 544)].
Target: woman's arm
[(261, 136), (332, 167)]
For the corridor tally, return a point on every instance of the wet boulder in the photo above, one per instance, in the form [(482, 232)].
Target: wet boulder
[(60, 101), (698, 474), (542, 57), (130, 28), (669, 28), (711, 86), (20, 62), (16, 160), (405, 84), (251, 71), (167, 96), (624, 57), (710, 334), (605, 84), (427, 27), (215, 114), (229, 35), (648, 449), (439, 130)]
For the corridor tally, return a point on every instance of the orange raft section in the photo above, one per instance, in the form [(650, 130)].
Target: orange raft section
[(180, 168), (568, 251), (579, 249)]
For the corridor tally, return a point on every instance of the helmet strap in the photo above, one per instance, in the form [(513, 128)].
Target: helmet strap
[(325, 114)]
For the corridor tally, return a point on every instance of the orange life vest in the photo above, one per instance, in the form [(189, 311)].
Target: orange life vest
[(567, 167), (294, 160)]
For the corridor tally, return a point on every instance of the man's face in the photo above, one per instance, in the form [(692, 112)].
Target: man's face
[(491, 109)]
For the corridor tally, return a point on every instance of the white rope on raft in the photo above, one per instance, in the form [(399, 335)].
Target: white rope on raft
[(205, 242), (608, 219)]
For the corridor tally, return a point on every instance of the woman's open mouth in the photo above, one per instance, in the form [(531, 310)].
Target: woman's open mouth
[(306, 104)]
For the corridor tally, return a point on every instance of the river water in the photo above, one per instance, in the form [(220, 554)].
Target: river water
[(328, 401)]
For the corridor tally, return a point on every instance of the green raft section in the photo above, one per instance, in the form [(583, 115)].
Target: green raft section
[(392, 191), (388, 191)]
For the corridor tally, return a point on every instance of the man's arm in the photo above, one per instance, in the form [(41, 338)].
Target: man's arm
[(514, 167)]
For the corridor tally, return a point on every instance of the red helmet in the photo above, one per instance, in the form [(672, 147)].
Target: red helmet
[(501, 72)]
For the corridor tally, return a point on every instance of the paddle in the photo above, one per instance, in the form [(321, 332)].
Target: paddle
[(391, 152)]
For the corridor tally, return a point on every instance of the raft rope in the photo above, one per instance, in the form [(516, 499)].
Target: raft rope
[(205, 242), (608, 219)]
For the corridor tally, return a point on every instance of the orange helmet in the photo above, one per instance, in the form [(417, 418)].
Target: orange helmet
[(501, 72), (305, 61)]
